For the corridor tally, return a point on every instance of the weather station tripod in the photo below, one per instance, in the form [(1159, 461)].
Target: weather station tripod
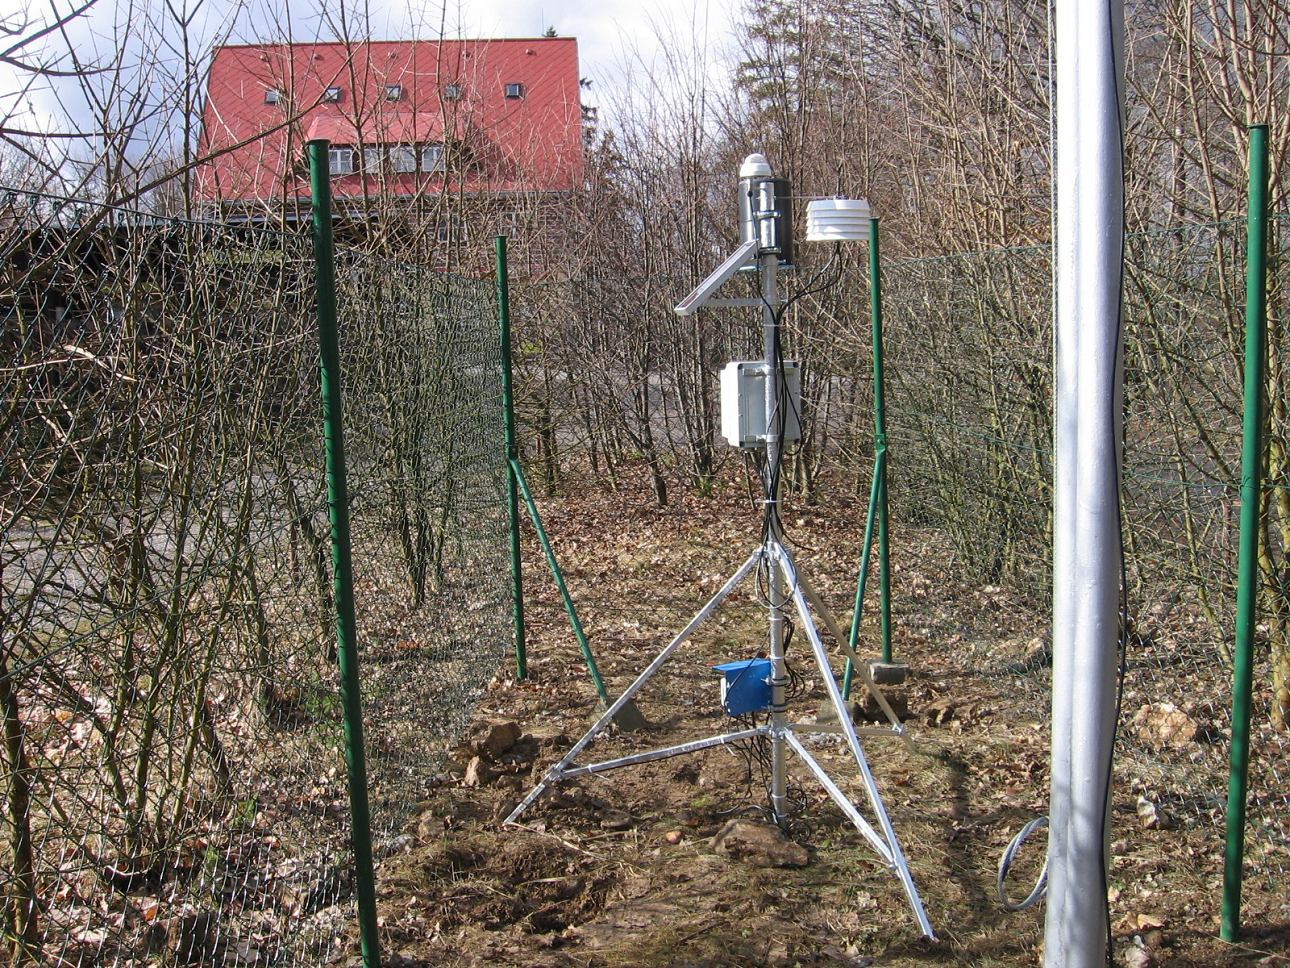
[(762, 390)]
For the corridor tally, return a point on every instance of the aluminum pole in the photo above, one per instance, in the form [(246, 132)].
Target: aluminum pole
[(768, 265), (1088, 249)]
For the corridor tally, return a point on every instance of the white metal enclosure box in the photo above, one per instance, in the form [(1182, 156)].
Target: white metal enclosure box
[(743, 403)]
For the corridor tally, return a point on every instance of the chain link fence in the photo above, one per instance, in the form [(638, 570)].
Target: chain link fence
[(969, 347), (969, 393), (173, 760), (173, 765), (969, 372)]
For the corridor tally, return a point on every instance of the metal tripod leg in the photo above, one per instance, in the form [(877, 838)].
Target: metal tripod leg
[(840, 798), (649, 756), (835, 630), (556, 773), (853, 741)]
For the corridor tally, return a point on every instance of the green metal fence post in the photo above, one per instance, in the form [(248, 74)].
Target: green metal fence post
[(1247, 588), (517, 473), (880, 439), (878, 493), (343, 587), (865, 557), (512, 457)]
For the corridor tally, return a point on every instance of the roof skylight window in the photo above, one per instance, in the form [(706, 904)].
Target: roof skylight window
[(514, 90), (331, 95)]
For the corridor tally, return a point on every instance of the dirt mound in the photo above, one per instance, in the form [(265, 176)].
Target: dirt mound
[(495, 881)]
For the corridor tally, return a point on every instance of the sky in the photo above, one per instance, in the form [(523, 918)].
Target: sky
[(608, 29), (616, 38), (620, 42)]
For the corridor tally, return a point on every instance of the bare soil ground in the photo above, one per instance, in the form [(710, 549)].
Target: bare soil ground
[(619, 869)]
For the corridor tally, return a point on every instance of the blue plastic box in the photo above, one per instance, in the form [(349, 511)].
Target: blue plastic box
[(745, 686)]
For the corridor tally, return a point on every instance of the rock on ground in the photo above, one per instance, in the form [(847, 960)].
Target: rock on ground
[(760, 844)]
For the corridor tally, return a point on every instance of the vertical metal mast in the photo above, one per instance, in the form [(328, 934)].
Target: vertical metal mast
[(759, 215), (1247, 589), (768, 264), (1088, 251), (347, 648)]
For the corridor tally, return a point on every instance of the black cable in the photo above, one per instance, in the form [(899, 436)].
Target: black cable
[(745, 750), (796, 682), (771, 476), (1117, 363)]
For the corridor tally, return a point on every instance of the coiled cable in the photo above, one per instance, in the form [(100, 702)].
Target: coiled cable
[(1005, 864)]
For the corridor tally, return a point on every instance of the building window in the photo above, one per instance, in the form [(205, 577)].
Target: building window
[(394, 92), (331, 95), (514, 89), (452, 92), (340, 161), (372, 158), (403, 159), (432, 157), (448, 230), (271, 95)]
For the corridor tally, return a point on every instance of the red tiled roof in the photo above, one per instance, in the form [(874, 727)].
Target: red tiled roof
[(519, 144), (402, 128)]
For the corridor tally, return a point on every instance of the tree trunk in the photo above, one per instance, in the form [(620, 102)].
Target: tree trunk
[(20, 918)]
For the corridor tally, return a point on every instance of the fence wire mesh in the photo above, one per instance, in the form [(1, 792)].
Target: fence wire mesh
[(969, 413), (172, 749), (173, 767), (969, 346)]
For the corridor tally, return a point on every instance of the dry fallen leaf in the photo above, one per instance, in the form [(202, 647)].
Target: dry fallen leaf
[(1135, 923)]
